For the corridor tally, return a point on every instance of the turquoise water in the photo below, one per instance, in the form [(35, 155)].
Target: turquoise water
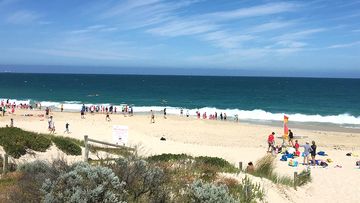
[(267, 97)]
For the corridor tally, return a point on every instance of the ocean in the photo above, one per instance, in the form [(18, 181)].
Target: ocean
[(321, 100)]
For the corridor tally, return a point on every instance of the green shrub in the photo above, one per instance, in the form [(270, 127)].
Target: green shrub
[(66, 145), (247, 191), (303, 177), (210, 193), (168, 157), (84, 183), (143, 181), (219, 163), (16, 141), (265, 168)]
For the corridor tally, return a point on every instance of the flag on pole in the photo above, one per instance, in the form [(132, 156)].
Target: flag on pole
[(286, 129)]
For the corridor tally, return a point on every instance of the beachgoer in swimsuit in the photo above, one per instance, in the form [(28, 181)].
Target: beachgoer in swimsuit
[(313, 152), (165, 113), (67, 128)]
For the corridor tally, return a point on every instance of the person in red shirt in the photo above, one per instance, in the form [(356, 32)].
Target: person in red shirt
[(271, 141)]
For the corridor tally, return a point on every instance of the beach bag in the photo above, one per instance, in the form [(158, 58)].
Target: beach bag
[(324, 164), (283, 158), (321, 153)]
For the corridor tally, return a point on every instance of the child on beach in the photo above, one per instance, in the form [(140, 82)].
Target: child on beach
[(108, 119), (67, 128), (271, 141), (152, 120)]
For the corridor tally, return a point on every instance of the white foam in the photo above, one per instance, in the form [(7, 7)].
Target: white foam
[(256, 114)]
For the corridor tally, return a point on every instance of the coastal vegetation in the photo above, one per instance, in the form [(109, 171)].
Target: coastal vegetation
[(126, 178)]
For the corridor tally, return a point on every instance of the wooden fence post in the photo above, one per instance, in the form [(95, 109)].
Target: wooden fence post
[(295, 179), (240, 166), (5, 163), (86, 156)]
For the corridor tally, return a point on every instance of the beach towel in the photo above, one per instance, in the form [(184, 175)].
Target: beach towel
[(290, 156), (283, 158)]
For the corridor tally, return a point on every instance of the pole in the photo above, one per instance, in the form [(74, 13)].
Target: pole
[(5, 163), (86, 156), (295, 179), (240, 166)]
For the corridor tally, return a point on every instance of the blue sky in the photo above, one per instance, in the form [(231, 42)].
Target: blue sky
[(299, 37)]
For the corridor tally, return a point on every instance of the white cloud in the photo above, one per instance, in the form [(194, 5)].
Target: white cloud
[(183, 27), (225, 40), (270, 26), (262, 10), (299, 35), (22, 17), (346, 45)]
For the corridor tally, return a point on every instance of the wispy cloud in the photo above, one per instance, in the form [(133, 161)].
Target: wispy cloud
[(299, 35), (345, 45), (22, 17), (261, 10), (183, 27), (225, 40), (93, 28), (270, 26)]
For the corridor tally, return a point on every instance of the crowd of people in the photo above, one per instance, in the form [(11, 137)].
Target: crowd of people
[(293, 148)]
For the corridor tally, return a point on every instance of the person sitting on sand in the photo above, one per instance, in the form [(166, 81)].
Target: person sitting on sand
[(307, 150), (152, 120), (250, 168), (271, 141)]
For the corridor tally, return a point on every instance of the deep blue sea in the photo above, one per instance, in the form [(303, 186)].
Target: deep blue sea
[(266, 98)]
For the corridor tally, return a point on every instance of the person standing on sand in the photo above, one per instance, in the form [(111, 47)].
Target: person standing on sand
[(11, 123), (67, 128), (271, 141), (307, 150), (181, 112), (291, 137), (62, 107), (152, 117), (164, 113), (187, 113), (313, 152)]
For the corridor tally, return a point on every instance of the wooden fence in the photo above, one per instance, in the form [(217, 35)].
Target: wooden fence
[(87, 146)]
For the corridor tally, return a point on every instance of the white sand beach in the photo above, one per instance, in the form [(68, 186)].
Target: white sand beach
[(232, 141)]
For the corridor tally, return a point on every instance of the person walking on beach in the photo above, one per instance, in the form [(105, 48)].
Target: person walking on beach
[(181, 112), (47, 111), (108, 119), (291, 137), (152, 117), (164, 113), (307, 150), (271, 141), (313, 152), (67, 128), (82, 113), (62, 107)]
